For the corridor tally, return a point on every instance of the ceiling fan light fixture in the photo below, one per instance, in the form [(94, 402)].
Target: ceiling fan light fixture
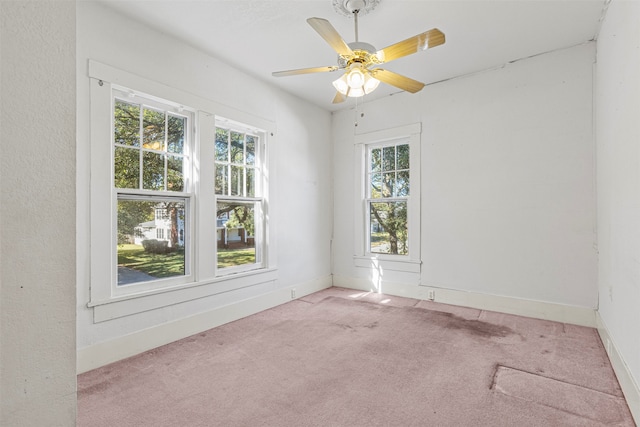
[(355, 78), (356, 92), (356, 83), (341, 84), (370, 84)]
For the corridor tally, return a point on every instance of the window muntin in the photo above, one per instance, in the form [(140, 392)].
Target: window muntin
[(151, 180), (239, 201), (388, 183)]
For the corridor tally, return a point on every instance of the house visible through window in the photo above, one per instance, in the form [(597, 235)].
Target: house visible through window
[(239, 198), (152, 184), (169, 171), (387, 194)]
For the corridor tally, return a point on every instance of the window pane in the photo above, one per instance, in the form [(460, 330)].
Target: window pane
[(175, 173), (402, 184), (376, 160), (150, 240), (388, 228), (153, 130), (236, 234), (388, 184), (175, 134), (236, 181), (376, 185), (222, 145), (221, 179), (237, 147), (251, 149), (251, 182), (127, 168), (403, 156), (152, 171), (389, 158), (126, 124)]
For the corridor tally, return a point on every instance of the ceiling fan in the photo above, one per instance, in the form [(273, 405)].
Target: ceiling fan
[(360, 59)]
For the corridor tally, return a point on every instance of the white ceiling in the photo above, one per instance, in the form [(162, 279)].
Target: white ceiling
[(262, 36)]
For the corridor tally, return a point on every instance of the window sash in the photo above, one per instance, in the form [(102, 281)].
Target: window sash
[(250, 242), (169, 181), (239, 153), (363, 144), (161, 268), (238, 174), (392, 239), (387, 178)]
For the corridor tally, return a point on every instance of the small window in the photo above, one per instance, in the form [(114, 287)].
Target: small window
[(239, 198), (388, 183)]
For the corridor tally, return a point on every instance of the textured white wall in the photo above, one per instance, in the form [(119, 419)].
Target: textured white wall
[(301, 199), (37, 225), (618, 136), (508, 193)]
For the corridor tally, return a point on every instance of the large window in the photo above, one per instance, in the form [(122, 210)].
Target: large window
[(388, 179), (151, 179), (239, 201), (169, 172)]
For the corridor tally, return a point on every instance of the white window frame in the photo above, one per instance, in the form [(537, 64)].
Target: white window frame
[(362, 143), (186, 196), (258, 200), (107, 302)]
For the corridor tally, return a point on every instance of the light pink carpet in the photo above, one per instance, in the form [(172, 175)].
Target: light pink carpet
[(346, 358)]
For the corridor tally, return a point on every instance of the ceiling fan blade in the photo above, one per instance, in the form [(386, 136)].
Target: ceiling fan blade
[(327, 32), (304, 71), (414, 44), (339, 98), (397, 80)]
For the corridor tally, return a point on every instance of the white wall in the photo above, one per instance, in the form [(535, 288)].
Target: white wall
[(37, 215), (301, 197), (618, 142), (508, 190)]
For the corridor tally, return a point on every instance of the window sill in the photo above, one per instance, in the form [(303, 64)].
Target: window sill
[(125, 305), (388, 262)]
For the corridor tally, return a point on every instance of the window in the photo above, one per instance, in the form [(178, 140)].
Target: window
[(158, 173), (387, 211), (388, 191), (239, 201), (151, 180)]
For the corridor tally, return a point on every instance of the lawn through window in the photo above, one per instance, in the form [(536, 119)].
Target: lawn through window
[(151, 165), (239, 201)]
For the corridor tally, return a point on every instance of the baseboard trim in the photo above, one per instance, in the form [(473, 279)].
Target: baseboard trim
[(574, 315), (629, 386), (103, 353)]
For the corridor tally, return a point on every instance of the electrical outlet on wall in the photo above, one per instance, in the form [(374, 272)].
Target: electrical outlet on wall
[(293, 293), (431, 295)]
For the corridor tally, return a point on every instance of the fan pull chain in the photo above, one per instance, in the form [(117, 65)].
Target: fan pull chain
[(356, 113), (361, 115)]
